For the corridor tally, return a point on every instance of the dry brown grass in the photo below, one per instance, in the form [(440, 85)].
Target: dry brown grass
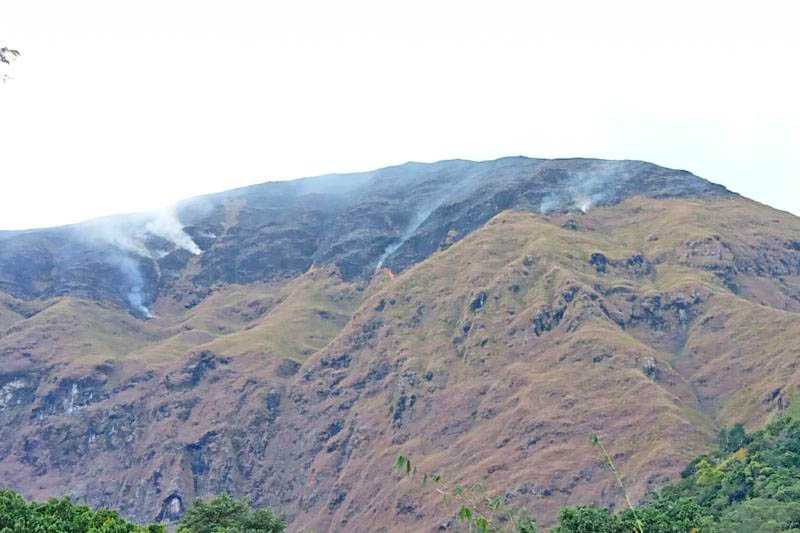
[(493, 402)]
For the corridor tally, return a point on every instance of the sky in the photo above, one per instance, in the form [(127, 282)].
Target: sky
[(128, 106)]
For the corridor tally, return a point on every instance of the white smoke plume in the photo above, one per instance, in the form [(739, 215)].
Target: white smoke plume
[(409, 231), (450, 190), (131, 236), (130, 233), (167, 226), (135, 295), (583, 190)]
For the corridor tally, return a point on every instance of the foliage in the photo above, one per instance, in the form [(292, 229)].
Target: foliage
[(732, 439), (61, 516), (637, 525), (220, 515), (8, 54), (751, 483), (480, 512), (223, 514)]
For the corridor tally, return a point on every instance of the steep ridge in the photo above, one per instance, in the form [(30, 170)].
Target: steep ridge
[(357, 222), (511, 348), (508, 326)]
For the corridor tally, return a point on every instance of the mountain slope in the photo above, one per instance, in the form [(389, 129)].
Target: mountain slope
[(357, 222), (509, 390), (507, 326)]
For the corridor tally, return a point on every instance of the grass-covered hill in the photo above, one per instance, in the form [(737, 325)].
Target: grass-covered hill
[(279, 365)]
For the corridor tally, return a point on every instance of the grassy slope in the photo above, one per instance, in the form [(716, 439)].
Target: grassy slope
[(515, 409), (493, 401), (291, 319)]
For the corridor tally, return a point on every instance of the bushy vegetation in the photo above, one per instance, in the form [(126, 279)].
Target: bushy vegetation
[(61, 516), (223, 514), (219, 515), (750, 483)]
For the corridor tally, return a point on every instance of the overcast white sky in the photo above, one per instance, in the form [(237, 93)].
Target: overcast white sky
[(124, 106)]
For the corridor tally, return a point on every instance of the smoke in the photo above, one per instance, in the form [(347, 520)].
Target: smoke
[(420, 218), (551, 202), (127, 240), (166, 225), (582, 197), (451, 186), (584, 203), (135, 296), (583, 189), (133, 233)]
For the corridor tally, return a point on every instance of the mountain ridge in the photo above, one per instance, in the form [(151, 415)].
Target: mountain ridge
[(398, 215), (491, 356)]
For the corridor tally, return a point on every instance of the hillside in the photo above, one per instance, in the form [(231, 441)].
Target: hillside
[(287, 341), (748, 483)]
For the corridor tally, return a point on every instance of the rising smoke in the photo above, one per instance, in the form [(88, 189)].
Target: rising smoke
[(419, 218), (167, 226), (130, 239), (449, 189), (135, 294), (584, 189)]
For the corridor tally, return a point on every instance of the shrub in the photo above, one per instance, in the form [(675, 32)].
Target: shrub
[(223, 514), (62, 515)]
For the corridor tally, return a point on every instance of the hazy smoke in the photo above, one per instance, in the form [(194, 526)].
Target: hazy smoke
[(166, 225), (135, 295), (409, 231), (133, 236), (450, 189), (583, 190), (131, 233)]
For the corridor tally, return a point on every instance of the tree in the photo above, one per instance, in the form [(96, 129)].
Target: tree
[(586, 519), (733, 439), (7, 55), (223, 514), (62, 514)]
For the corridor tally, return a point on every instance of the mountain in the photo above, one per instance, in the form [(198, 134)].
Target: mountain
[(398, 216), (286, 341)]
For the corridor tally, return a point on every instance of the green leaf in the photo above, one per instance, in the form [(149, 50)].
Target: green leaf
[(465, 514), (495, 503)]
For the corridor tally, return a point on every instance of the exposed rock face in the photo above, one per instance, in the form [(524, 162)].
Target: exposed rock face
[(280, 365)]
